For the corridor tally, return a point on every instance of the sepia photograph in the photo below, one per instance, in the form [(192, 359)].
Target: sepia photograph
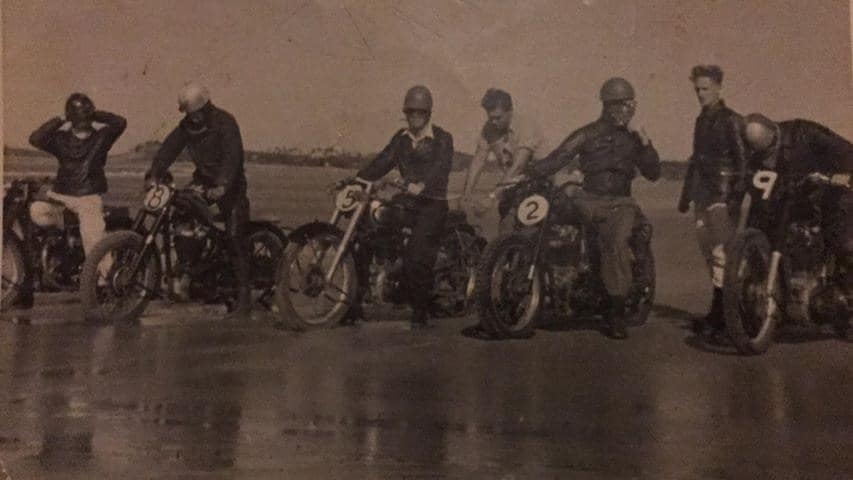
[(394, 239)]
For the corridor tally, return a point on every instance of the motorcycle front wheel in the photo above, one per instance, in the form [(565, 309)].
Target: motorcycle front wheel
[(750, 323), (304, 298), (14, 270), (508, 288), (455, 273), (110, 290)]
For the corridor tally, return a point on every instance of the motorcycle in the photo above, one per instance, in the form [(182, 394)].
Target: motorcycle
[(49, 255), (779, 267), (175, 241), (341, 269), (548, 267)]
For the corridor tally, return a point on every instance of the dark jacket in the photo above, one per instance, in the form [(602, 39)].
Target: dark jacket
[(717, 169), (429, 162), (608, 155), (81, 162), (806, 147), (217, 152)]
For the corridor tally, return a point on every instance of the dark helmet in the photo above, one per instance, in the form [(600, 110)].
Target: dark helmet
[(79, 108), (616, 89), (418, 98)]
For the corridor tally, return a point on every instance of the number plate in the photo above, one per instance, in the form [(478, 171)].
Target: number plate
[(157, 197), (347, 199), (533, 210)]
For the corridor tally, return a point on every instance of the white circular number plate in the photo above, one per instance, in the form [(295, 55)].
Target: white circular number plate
[(347, 198), (532, 210), (157, 197)]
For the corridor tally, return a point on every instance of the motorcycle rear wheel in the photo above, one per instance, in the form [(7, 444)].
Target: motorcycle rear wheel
[(748, 322), (101, 283), (14, 270), (508, 300), (301, 285)]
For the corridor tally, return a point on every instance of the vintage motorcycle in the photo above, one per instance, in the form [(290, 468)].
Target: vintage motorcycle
[(327, 273), (50, 256), (549, 266), (779, 266), (176, 237)]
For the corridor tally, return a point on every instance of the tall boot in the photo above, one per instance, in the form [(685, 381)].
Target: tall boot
[(715, 319), (616, 318)]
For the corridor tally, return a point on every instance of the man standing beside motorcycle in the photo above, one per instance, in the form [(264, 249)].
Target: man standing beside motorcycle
[(423, 153), (80, 180), (508, 139), (213, 139), (608, 152), (795, 149), (714, 183)]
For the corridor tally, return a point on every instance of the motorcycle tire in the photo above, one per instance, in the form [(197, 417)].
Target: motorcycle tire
[(14, 271), (92, 293), (295, 280), (747, 259), (644, 293), (465, 248), (497, 310)]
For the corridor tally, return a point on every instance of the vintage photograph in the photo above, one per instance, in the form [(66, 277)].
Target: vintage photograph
[(382, 239)]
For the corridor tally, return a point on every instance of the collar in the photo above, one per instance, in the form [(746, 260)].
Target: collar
[(426, 132), (720, 105)]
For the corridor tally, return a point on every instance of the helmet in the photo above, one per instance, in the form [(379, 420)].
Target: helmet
[(418, 98), (759, 132), (192, 97), (616, 89), (79, 108)]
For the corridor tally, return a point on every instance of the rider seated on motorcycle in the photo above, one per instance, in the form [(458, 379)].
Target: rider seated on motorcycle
[(608, 152), (80, 180), (795, 149), (507, 139), (213, 139), (423, 153)]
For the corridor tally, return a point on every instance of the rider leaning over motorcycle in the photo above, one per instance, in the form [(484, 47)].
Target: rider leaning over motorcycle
[(715, 181), (423, 153), (507, 139), (796, 148), (213, 139), (608, 152), (80, 180)]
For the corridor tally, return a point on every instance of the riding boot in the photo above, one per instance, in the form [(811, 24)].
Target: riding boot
[(616, 318), (715, 319)]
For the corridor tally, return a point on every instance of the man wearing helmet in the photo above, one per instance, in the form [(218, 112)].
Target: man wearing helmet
[(715, 180), (80, 180), (796, 148), (213, 139), (608, 152), (423, 153), (507, 139)]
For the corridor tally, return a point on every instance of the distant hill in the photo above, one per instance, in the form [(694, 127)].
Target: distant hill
[(142, 154)]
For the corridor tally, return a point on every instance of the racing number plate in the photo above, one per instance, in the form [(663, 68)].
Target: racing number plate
[(347, 199), (533, 210), (157, 197)]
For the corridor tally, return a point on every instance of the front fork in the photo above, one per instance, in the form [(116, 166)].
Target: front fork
[(356, 216), (772, 276)]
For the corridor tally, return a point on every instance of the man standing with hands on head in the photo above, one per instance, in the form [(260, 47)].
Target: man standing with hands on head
[(715, 182)]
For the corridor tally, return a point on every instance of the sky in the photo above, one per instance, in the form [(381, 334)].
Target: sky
[(320, 73)]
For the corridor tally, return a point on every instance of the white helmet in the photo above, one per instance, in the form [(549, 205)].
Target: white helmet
[(193, 97)]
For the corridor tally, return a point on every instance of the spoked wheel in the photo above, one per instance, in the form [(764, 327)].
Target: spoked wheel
[(117, 282), (14, 270), (642, 297), (455, 273), (508, 288), (751, 314), (267, 248), (305, 299)]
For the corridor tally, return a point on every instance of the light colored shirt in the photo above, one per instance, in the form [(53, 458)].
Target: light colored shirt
[(425, 133), (502, 148)]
